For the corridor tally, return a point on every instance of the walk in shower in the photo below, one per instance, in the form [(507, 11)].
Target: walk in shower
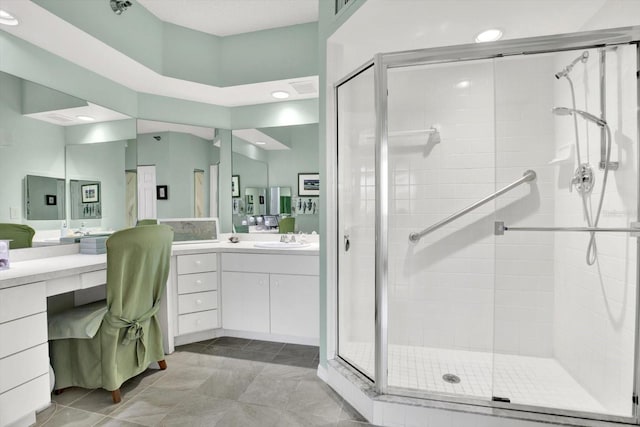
[(488, 224)]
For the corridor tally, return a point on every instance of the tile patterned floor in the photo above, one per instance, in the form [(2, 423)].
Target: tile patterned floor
[(527, 380), (222, 382)]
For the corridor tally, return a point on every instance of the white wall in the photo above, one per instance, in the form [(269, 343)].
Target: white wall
[(595, 305)]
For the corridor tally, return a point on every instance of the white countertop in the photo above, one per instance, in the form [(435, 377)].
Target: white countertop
[(36, 270), (53, 267)]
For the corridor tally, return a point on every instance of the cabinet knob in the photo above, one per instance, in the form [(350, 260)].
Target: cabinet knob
[(198, 301), (198, 282), (198, 262)]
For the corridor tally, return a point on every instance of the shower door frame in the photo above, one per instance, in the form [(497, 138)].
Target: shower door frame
[(382, 62)]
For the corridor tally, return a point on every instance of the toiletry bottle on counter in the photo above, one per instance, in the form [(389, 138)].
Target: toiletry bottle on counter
[(4, 254), (63, 229)]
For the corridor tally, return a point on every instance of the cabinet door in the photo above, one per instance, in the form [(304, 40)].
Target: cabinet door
[(245, 301), (295, 305)]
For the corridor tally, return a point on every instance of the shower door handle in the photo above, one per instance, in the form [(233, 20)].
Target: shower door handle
[(347, 244)]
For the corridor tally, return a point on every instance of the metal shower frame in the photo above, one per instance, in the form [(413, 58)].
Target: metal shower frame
[(381, 63)]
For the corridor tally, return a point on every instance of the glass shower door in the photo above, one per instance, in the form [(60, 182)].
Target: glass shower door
[(356, 226), (441, 160), (565, 330)]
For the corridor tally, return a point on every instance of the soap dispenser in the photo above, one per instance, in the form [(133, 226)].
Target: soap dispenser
[(63, 229)]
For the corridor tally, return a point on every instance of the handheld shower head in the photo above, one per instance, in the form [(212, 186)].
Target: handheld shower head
[(566, 70), (564, 111)]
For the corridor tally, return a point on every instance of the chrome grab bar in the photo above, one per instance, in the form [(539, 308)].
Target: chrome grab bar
[(528, 175), (634, 229)]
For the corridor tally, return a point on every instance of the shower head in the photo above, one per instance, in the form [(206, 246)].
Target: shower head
[(566, 70), (564, 111)]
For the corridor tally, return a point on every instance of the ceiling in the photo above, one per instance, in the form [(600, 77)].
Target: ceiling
[(219, 17), (420, 24), (46, 30), (227, 17)]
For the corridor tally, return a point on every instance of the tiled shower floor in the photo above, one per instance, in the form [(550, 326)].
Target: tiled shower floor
[(526, 380)]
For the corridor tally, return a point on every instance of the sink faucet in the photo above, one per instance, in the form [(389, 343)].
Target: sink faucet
[(284, 239)]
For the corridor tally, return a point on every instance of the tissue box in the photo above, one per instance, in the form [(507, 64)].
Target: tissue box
[(93, 245), (4, 254)]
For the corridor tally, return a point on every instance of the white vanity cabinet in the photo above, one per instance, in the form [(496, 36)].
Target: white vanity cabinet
[(24, 353), (274, 295), (294, 303), (197, 292), (245, 301)]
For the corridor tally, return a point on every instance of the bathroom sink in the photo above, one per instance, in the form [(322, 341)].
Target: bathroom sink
[(280, 245)]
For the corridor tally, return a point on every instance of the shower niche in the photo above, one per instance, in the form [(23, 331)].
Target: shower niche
[(515, 291)]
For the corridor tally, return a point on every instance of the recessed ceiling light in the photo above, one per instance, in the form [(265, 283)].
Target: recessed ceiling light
[(7, 19), (85, 118), (490, 35), (280, 94), (260, 143), (462, 84)]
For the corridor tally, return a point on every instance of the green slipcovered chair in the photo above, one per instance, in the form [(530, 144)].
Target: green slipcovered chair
[(21, 235), (146, 222), (286, 225), (104, 344)]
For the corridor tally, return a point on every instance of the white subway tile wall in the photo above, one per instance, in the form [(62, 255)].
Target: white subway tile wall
[(595, 305)]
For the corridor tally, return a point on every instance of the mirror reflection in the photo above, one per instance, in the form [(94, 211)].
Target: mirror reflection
[(44, 198), (42, 135), (86, 199), (182, 161), (270, 160)]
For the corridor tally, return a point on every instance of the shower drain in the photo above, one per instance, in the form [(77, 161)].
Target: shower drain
[(451, 378)]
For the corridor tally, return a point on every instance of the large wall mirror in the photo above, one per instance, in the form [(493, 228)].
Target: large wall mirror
[(270, 162), (41, 135)]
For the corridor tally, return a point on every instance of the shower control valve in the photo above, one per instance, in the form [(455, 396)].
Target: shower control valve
[(583, 179)]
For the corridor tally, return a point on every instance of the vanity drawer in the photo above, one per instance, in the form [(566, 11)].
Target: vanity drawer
[(200, 301), (197, 263), (20, 401), (267, 263), (24, 366), (195, 322), (93, 278), (197, 282), (21, 301), (23, 333)]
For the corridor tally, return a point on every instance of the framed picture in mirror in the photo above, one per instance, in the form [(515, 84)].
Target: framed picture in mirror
[(235, 186), (90, 193), (162, 192), (308, 184), (50, 200)]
